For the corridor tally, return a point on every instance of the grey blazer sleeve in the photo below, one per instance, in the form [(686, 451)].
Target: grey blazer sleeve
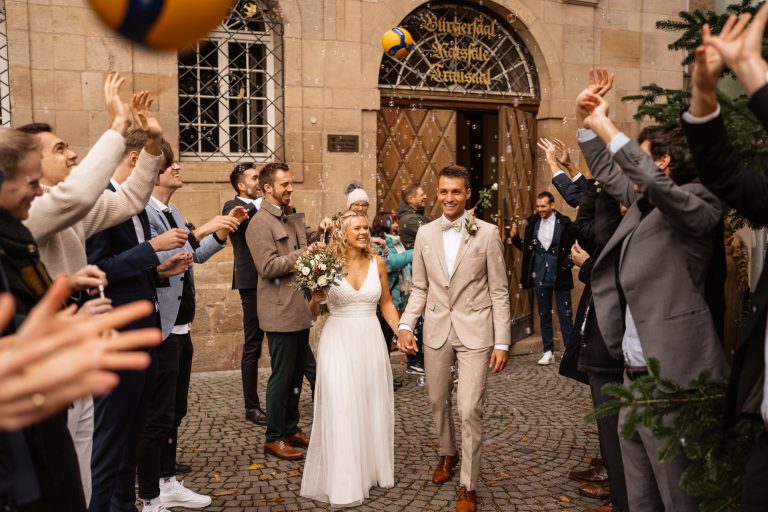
[(691, 208), (208, 247), (603, 169)]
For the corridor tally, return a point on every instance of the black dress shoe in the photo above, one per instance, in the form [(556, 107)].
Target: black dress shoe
[(256, 416), (182, 468)]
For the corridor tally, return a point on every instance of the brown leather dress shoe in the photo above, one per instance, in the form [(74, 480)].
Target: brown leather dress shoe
[(467, 500), (591, 475), (298, 439), (599, 491), (602, 508), (444, 470), (282, 450)]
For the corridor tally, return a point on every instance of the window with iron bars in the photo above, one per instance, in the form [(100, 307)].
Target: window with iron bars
[(231, 89), (5, 82)]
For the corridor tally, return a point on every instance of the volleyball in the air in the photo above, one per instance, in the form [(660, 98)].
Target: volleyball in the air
[(397, 42), (163, 24)]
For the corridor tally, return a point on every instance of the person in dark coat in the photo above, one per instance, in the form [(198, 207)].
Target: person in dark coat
[(546, 267)]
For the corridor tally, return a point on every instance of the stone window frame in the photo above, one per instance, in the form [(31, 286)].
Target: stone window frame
[(207, 104), (5, 79)]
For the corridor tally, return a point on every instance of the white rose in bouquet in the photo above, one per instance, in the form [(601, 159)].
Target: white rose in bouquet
[(323, 267), (322, 281), (305, 271)]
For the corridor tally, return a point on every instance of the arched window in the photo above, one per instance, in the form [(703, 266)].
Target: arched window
[(231, 89), (5, 80)]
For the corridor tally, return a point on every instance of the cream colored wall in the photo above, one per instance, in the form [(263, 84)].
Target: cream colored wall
[(59, 54)]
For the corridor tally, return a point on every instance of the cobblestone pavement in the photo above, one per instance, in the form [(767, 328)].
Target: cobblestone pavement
[(534, 435)]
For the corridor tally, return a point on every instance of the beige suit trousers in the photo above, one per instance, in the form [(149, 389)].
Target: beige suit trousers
[(470, 398)]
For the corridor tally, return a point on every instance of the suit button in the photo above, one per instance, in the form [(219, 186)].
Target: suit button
[(179, 297), (451, 310), (447, 287)]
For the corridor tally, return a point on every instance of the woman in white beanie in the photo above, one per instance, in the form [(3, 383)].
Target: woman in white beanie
[(357, 199)]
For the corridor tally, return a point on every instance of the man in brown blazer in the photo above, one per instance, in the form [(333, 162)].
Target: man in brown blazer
[(460, 283), (276, 238)]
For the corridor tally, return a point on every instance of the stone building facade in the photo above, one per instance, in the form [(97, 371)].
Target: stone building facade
[(308, 82)]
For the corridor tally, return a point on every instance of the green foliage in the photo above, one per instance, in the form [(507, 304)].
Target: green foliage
[(690, 419), (663, 106)]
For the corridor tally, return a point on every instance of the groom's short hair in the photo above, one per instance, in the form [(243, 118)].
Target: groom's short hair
[(455, 171)]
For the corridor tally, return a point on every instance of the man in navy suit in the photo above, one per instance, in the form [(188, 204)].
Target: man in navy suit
[(126, 253)]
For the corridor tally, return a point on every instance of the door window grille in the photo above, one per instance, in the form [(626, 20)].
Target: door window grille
[(5, 81), (462, 49), (231, 89)]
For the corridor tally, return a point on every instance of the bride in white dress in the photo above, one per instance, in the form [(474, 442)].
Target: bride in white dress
[(352, 443)]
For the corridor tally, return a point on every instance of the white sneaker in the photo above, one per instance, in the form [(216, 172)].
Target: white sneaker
[(547, 358), (154, 506), (174, 494)]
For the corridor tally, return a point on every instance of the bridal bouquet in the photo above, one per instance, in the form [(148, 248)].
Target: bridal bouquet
[(317, 270)]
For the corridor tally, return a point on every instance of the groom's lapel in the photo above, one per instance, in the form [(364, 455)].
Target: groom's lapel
[(440, 248), (466, 241)]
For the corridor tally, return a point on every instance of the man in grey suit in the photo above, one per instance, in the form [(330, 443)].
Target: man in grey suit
[(649, 282), (156, 459)]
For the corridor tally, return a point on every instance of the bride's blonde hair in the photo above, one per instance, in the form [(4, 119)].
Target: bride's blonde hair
[(338, 244)]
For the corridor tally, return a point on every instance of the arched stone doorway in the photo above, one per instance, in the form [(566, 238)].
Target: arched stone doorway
[(467, 93)]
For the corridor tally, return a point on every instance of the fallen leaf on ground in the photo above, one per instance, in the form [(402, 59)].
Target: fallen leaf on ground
[(564, 499), (294, 473), (263, 477), (255, 466), (273, 500), (217, 476), (225, 492)]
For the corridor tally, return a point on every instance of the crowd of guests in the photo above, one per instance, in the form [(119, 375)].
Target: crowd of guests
[(96, 363)]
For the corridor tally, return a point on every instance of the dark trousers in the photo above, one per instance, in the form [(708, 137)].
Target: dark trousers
[(288, 353), (417, 359), (608, 434), (156, 454), (754, 497), (118, 424), (564, 314), (252, 341)]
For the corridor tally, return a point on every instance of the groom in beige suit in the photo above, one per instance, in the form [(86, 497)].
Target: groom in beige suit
[(460, 285)]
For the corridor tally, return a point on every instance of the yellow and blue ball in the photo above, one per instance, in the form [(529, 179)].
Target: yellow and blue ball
[(163, 24), (397, 42)]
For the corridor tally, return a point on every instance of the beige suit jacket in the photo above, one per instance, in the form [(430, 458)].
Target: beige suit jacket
[(276, 241), (474, 300)]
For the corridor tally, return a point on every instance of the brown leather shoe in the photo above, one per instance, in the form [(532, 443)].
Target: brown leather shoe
[(602, 508), (298, 439), (601, 491), (444, 470), (591, 475), (282, 450), (597, 460), (467, 500)]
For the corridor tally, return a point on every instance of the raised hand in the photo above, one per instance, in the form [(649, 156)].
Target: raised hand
[(239, 213), (600, 82), (222, 225), (563, 156), (140, 108), (118, 110), (176, 264), (169, 240), (597, 108), (740, 47), (550, 153), (49, 363), (88, 278)]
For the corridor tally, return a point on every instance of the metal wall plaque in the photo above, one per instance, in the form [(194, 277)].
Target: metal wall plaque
[(343, 143)]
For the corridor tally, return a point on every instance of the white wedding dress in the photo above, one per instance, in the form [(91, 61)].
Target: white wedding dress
[(352, 441)]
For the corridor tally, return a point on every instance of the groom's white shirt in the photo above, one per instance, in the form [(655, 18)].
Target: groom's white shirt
[(451, 244)]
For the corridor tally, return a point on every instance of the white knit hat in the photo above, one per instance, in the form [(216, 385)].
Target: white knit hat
[(357, 195)]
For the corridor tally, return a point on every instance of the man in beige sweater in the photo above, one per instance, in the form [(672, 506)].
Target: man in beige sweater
[(75, 205)]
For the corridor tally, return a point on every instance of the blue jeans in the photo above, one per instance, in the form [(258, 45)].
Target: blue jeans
[(544, 300)]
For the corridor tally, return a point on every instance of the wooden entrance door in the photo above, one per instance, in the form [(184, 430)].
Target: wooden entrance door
[(413, 145), (516, 190)]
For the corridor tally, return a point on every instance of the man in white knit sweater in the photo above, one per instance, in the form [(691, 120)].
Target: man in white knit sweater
[(75, 205)]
